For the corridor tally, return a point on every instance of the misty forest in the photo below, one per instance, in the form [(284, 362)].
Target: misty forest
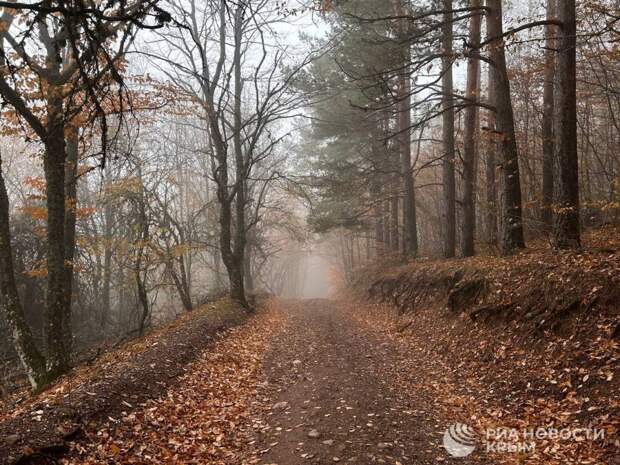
[(289, 232)]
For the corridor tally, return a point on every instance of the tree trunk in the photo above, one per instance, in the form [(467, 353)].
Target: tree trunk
[(449, 187), (57, 301), (107, 267), (387, 227), (229, 252), (71, 179), (226, 235), (217, 265), (566, 228), (10, 304), (237, 285), (181, 285), (547, 121), (511, 221), (491, 165), (491, 193), (470, 148), (186, 281), (143, 299), (247, 272), (379, 228), (394, 224), (410, 233), (375, 195), (140, 273)]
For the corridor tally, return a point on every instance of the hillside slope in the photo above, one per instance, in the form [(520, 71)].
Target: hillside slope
[(34, 427), (530, 341)]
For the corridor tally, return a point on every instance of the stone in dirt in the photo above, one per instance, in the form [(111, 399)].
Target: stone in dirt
[(280, 405), (313, 434)]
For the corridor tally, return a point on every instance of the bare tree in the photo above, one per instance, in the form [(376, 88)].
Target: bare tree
[(240, 108)]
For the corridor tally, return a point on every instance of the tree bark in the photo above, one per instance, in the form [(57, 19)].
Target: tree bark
[(491, 164), (511, 221), (57, 301), (379, 228), (375, 195), (410, 233), (238, 283), (143, 299), (449, 187), (107, 266), (247, 272), (470, 148), (71, 179), (10, 304), (566, 227), (394, 224), (181, 285), (140, 271), (387, 227), (547, 121), (491, 190), (186, 281)]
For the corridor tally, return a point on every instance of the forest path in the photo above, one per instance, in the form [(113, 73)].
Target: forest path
[(336, 396), (302, 382)]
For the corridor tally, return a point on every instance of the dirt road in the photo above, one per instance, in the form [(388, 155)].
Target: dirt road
[(336, 400), (303, 382)]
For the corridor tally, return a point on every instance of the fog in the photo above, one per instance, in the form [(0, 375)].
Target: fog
[(305, 271), (316, 277)]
